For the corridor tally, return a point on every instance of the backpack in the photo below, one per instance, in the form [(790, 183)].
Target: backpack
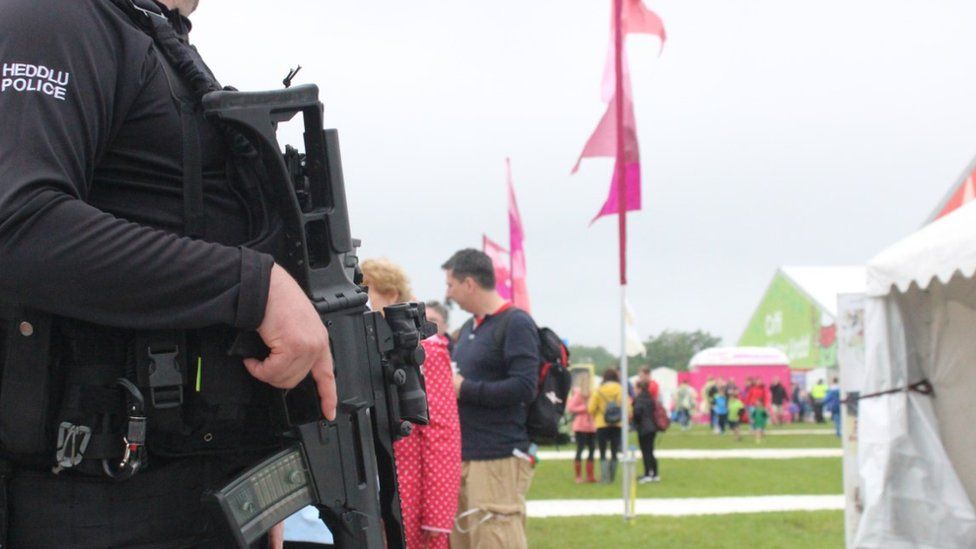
[(553, 385), (661, 419), (613, 413)]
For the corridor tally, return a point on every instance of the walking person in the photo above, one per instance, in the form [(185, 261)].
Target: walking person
[(759, 417), (686, 403), (583, 429), (796, 403), (606, 407), (721, 408), (708, 401), (737, 413), (644, 406), (832, 404), (779, 398), (817, 394)]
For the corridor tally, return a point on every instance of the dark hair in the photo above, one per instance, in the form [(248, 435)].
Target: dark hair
[(472, 263), (645, 370), (436, 306), (611, 375), (642, 386)]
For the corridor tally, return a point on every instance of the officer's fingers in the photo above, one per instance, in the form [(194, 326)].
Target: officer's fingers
[(274, 370), (256, 368), (324, 376)]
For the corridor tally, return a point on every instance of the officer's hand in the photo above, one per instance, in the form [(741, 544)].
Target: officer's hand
[(298, 341)]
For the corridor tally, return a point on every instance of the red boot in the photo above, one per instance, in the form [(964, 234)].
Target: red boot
[(590, 478), (576, 467)]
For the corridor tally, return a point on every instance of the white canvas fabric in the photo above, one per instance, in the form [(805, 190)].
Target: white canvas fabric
[(936, 252), (916, 452)]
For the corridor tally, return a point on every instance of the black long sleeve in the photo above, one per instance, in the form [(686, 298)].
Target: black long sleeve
[(75, 80)]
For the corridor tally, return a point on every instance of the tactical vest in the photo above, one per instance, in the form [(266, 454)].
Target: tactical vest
[(96, 400)]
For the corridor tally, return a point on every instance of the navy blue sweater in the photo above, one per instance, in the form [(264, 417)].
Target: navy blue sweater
[(499, 383)]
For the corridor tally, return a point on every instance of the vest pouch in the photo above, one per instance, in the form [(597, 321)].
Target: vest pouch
[(26, 356), (225, 409), (91, 415)]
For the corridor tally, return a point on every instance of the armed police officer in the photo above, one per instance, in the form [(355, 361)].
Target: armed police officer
[(135, 246)]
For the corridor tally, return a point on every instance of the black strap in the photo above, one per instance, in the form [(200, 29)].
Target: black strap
[(194, 219), (24, 390), (922, 387), (501, 330), (6, 472)]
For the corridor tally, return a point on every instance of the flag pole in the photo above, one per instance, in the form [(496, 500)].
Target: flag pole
[(620, 173), (511, 259)]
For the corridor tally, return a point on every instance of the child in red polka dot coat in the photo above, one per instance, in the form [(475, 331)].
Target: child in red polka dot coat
[(429, 460)]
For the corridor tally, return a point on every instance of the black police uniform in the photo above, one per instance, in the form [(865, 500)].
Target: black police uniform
[(94, 230)]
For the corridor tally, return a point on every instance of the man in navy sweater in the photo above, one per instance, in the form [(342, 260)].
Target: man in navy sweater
[(497, 354)]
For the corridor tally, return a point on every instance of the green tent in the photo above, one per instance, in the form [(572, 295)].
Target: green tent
[(797, 313)]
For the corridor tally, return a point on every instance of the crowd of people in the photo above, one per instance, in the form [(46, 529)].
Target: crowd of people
[(598, 415), (728, 407)]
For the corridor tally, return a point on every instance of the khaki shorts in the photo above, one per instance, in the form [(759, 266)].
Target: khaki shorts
[(491, 504)]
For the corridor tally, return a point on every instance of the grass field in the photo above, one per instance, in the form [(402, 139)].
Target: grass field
[(791, 530), (691, 478), (700, 438)]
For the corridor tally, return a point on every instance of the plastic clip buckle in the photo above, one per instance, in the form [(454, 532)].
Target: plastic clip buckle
[(72, 442), (165, 379)]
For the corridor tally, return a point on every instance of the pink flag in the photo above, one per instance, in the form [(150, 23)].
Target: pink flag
[(637, 19), (500, 259), (516, 237)]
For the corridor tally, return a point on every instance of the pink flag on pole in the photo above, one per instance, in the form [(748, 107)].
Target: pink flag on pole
[(637, 19), (516, 238), (500, 260)]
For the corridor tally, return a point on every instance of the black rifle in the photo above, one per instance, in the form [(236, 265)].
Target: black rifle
[(344, 467)]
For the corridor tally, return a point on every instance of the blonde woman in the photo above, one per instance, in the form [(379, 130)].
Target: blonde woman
[(429, 460), (583, 428)]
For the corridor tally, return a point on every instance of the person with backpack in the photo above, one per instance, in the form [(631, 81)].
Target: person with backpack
[(647, 428), (606, 407), (498, 357), (583, 428)]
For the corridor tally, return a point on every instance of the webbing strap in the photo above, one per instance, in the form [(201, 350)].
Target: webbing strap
[(194, 219), (24, 389), (6, 472)]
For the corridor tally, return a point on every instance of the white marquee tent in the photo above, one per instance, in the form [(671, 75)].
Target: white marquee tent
[(916, 451)]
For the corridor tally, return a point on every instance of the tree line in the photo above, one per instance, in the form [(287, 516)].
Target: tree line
[(671, 348)]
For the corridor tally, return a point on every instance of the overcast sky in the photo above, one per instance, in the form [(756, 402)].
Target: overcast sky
[(772, 132)]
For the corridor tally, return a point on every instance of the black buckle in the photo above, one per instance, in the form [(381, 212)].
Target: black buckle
[(165, 378)]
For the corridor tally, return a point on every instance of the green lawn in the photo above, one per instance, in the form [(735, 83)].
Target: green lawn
[(689, 478), (700, 438), (791, 530)]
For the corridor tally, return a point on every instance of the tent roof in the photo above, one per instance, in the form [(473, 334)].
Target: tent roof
[(937, 251), (961, 192), (822, 284), (739, 356)]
